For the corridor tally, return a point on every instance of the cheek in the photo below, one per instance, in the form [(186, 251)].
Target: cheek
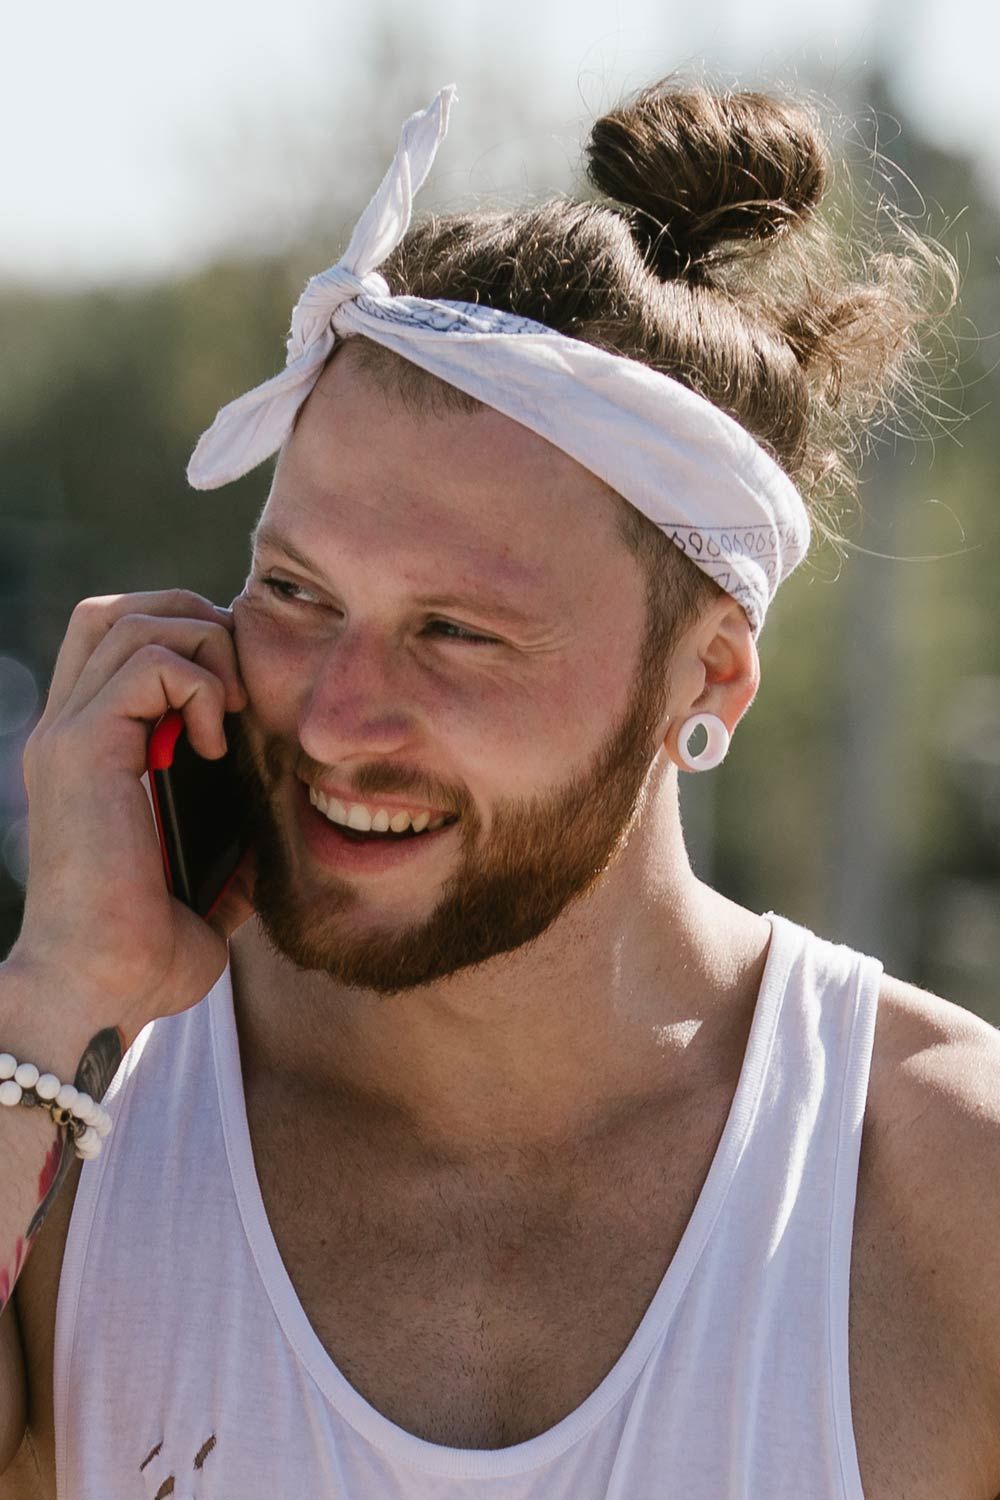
[(541, 726), (576, 713), (274, 664)]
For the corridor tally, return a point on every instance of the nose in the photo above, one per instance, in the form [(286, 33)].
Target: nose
[(355, 703)]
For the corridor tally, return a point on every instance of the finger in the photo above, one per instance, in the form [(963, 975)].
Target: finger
[(93, 618), (205, 642), (114, 727)]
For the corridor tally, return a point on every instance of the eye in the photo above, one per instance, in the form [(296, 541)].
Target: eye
[(285, 590), (461, 633)]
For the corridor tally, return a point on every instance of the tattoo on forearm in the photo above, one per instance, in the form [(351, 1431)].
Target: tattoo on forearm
[(98, 1066)]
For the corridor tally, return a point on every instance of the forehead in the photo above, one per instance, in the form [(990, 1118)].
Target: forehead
[(474, 491)]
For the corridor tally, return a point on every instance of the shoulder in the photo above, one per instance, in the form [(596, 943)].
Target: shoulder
[(931, 1153), (934, 1111), (938, 1048), (935, 1080)]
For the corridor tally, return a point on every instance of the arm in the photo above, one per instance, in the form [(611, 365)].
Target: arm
[(938, 1146), (104, 948), (35, 1157)]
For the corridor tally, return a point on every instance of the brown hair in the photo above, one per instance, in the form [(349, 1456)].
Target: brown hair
[(707, 260)]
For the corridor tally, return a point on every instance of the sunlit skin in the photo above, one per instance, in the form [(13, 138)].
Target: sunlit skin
[(559, 922)]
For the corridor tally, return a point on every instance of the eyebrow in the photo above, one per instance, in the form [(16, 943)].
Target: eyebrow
[(481, 602)]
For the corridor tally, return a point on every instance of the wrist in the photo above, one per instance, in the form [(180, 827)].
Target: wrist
[(43, 1022), (85, 1120)]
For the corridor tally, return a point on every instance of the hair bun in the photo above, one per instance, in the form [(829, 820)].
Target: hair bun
[(698, 169)]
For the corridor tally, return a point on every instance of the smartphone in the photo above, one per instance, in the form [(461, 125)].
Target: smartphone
[(197, 806)]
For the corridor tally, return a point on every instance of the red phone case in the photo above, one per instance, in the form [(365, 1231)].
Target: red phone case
[(160, 757)]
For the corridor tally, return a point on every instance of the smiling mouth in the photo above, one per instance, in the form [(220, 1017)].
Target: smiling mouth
[(344, 812)]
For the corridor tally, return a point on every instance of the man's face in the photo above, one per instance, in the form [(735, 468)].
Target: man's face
[(539, 737)]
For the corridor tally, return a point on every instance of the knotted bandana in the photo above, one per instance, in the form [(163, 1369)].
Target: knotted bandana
[(675, 456)]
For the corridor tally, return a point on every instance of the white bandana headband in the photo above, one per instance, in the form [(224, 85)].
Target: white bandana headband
[(675, 456)]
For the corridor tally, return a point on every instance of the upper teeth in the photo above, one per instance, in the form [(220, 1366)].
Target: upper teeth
[(372, 819)]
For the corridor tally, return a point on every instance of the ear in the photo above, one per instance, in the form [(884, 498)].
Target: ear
[(715, 670)]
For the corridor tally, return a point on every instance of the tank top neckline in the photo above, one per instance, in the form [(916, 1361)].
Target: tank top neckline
[(483, 1463)]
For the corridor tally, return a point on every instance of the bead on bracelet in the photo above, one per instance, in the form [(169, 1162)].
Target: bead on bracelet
[(86, 1122)]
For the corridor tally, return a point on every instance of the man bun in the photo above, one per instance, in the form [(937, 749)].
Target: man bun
[(697, 171)]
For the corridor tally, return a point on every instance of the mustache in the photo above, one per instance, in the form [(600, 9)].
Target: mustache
[(276, 759)]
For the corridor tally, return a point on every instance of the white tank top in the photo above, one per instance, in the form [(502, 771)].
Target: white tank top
[(185, 1364)]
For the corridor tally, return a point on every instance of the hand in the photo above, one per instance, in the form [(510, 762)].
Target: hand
[(99, 923)]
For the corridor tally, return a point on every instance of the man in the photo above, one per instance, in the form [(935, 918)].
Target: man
[(508, 1158)]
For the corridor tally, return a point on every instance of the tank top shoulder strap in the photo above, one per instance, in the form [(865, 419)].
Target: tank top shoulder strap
[(824, 1053)]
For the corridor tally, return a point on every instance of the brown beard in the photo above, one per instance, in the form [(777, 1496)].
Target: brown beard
[(542, 854)]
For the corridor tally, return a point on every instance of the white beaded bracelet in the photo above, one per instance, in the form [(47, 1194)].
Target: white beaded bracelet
[(87, 1122)]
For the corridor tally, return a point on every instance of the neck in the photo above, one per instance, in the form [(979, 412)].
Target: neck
[(642, 990)]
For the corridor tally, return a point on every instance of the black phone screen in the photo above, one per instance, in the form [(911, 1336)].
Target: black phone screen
[(199, 813)]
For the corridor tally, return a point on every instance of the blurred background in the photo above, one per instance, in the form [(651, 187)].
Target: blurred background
[(173, 175)]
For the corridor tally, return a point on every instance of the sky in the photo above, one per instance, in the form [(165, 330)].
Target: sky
[(139, 141)]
